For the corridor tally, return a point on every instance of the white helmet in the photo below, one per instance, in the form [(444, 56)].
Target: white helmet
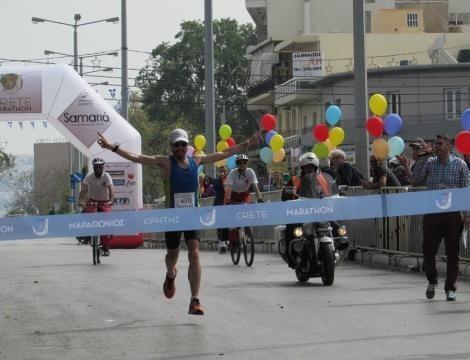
[(97, 161), (309, 159), (241, 157)]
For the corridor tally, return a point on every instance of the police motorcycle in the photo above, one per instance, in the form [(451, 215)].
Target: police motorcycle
[(312, 249)]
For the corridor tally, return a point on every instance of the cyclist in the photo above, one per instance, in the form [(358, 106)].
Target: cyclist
[(97, 195), (240, 181), (180, 173)]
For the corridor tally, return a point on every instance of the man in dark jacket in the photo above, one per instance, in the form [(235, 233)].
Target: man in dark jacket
[(346, 174)]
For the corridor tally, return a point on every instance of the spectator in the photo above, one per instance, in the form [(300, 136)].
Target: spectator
[(400, 172), (466, 158), (346, 173), (421, 153), (207, 188), (443, 171), (381, 175), (325, 167), (220, 199), (276, 181)]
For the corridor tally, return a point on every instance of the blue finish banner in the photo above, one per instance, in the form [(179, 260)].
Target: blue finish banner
[(275, 213)]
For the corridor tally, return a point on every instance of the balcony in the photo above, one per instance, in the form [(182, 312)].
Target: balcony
[(260, 93), (295, 91)]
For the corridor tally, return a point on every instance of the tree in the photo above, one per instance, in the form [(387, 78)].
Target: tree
[(7, 161), (173, 85)]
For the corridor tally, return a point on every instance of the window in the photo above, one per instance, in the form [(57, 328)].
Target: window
[(370, 1), (412, 19), (453, 103), (368, 21), (394, 102)]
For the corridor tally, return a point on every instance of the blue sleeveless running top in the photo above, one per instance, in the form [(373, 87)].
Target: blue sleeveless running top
[(182, 183)]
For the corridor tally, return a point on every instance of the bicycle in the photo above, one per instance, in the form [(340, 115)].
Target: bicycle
[(97, 250), (245, 241)]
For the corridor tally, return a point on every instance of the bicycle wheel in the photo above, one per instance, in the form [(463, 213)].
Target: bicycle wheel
[(248, 246), (235, 252), (98, 250), (94, 248)]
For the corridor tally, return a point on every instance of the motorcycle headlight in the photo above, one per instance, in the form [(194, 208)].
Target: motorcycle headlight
[(298, 232), (342, 231)]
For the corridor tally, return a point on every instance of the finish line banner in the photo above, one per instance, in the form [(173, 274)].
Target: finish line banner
[(276, 213)]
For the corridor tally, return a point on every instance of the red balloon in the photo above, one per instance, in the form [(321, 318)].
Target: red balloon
[(321, 132), (268, 122), (462, 142), (230, 141), (375, 126)]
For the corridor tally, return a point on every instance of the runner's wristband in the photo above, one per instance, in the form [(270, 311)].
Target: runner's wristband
[(115, 148)]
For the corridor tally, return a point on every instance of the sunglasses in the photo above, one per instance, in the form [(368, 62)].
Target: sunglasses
[(180, 144), (98, 167), (242, 162)]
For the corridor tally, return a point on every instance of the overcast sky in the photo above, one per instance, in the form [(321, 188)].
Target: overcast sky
[(149, 23)]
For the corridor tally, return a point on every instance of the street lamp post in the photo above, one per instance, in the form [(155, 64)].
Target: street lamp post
[(75, 26)]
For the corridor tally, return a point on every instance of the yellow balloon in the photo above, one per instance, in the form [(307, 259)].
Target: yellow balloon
[(221, 145), (225, 131), (337, 136), (276, 142), (221, 163), (199, 152), (279, 155), (329, 144), (378, 104), (199, 142), (380, 148)]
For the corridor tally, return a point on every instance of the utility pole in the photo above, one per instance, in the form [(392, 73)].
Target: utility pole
[(360, 89), (209, 82), (124, 85)]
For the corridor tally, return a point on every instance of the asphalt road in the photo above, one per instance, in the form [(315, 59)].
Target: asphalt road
[(54, 304)]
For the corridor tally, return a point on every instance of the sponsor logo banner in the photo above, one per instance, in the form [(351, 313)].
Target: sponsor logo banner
[(87, 114), (299, 211), (20, 93)]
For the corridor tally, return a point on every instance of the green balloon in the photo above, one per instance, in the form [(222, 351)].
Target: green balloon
[(321, 150)]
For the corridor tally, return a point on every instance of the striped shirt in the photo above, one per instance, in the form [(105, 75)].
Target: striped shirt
[(437, 174)]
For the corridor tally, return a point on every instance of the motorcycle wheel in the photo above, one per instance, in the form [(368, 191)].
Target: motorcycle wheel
[(327, 257), (301, 276)]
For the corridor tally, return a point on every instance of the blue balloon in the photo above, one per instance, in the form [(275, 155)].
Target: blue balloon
[(333, 115), (231, 162), (200, 169), (465, 120), (266, 155), (392, 124), (269, 136), (396, 146)]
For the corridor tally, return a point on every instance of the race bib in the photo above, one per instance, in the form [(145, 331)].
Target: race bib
[(185, 200)]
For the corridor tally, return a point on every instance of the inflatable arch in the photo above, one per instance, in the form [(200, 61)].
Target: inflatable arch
[(57, 94)]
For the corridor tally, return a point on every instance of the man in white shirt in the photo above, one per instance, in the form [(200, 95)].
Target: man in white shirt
[(96, 195), (240, 181)]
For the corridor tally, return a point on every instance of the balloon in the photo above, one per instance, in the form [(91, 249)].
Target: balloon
[(321, 150), (230, 142), (320, 132), (221, 145), (465, 120), (221, 163), (268, 122), (278, 156), (462, 142), (269, 136), (329, 144), (375, 126), (200, 169), (392, 124), (380, 148), (277, 142), (378, 104), (336, 136), (396, 146), (190, 151), (266, 155), (333, 115), (198, 152), (199, 142), (225, 131), (231, 162)]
